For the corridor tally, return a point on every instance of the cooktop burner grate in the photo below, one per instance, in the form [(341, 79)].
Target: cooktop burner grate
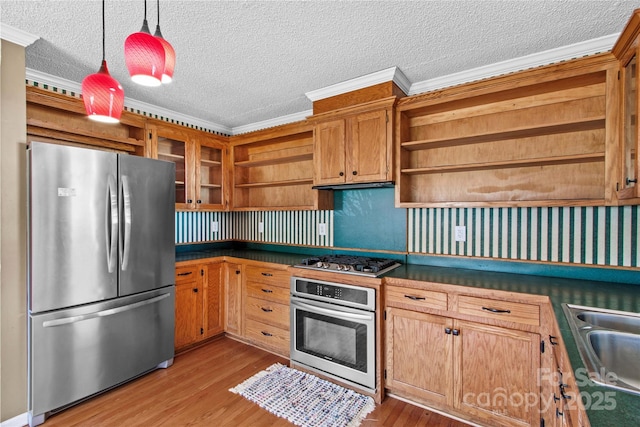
[(364, 266)]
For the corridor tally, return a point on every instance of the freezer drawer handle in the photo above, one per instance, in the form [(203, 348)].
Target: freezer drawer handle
[(103, 313)]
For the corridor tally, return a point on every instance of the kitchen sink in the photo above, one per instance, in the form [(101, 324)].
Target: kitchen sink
[(617, 322), (609, 344)]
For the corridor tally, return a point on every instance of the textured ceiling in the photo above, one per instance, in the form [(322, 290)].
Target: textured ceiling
[(243, 62)]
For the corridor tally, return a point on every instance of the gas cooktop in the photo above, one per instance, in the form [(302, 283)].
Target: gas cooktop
[(350, 264)]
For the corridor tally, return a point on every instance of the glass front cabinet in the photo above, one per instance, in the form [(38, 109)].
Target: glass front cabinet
[(199, 160), (627, 50)]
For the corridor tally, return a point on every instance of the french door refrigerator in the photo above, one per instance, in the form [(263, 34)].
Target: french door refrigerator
[(100, 276)]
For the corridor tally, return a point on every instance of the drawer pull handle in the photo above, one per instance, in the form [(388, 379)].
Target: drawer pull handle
[(185, 274), (267, 291), (266, 334), (552, 340), (267, 274), (414, 297), (496, 310), (266, 310)]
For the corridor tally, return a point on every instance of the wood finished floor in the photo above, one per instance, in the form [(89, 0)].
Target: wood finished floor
[(194, 392)]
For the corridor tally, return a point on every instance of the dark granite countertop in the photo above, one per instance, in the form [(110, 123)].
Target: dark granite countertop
[(605, 406)]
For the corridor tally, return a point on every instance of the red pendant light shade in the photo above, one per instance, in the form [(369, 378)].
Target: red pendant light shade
[(169, 58), (169, 53), (144, 56), (103, 96)]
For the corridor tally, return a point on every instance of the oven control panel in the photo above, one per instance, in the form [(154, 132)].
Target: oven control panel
[(354, 296)]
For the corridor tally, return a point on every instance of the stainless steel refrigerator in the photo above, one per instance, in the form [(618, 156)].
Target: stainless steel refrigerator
[(100, 274)]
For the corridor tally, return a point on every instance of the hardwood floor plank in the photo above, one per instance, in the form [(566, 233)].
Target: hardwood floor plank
[(195, 392)]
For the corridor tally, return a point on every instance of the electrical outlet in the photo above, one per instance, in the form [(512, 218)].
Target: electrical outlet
[(214, 226), (461, 233), (261, 227), (322, 229)]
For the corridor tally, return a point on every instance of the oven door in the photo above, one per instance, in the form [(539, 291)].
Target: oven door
[(334, 339)]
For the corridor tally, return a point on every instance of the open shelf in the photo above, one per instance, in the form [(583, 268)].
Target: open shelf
[(274, 161), (276, 183), (513, 133), (507, 143), (273, 170), (581, 158)]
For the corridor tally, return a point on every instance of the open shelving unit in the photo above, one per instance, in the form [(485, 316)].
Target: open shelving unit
[(273, 170), (506, 143)]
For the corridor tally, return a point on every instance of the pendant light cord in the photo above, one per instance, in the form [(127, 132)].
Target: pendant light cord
[(103, 37), (158, 3)]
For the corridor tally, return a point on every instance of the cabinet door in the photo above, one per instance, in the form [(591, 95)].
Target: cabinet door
[(419, 356), (233, 298), (213, 309), (209, 179), (496, 374), (174, 146), (329, 153), (629, 187), (188, 315), (367, 149)]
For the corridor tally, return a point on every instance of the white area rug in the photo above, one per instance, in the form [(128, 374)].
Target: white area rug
[(304, 399)]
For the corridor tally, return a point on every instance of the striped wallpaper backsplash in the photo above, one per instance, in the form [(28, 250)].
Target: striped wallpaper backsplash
[(579, 235), (605, 236), (283, 227)]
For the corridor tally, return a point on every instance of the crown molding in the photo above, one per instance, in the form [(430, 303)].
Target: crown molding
[(16, 35), (131, 104), (589, 47), (282, 120), (564, 53), (390, 74)]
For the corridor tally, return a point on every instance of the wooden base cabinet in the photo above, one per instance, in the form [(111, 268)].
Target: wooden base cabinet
[(484, 373), (198, 308), (266, 307)]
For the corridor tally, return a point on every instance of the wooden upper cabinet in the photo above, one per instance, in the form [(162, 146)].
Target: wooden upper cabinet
[(626, 50), (273, 170), (199, 159), (543, 137), (354, 145)]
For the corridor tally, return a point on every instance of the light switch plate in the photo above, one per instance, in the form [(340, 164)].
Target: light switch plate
[(461, 233), (214, 226), (261, 227)]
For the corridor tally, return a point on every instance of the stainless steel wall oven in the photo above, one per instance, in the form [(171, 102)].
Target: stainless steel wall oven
[(333, 330)]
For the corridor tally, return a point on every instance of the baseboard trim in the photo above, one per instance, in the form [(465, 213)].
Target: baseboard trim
[(17, 421)]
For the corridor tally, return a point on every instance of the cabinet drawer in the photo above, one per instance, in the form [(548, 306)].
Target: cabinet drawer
[(528, 314), (416, 298), (268, 292), (270, 336), (186, 274), (268, 276), (268, 312)]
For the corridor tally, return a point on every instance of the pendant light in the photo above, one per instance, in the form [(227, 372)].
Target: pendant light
[(169, 53), (144, 56), (103, 96)]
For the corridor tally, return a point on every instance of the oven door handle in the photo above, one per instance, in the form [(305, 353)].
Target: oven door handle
[(335, 313)]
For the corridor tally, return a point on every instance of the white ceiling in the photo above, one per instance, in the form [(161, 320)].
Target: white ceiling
[(246, 62)]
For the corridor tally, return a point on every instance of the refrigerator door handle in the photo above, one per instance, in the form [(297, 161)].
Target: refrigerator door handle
[(111, 224), (125, 236), (103, 313)]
